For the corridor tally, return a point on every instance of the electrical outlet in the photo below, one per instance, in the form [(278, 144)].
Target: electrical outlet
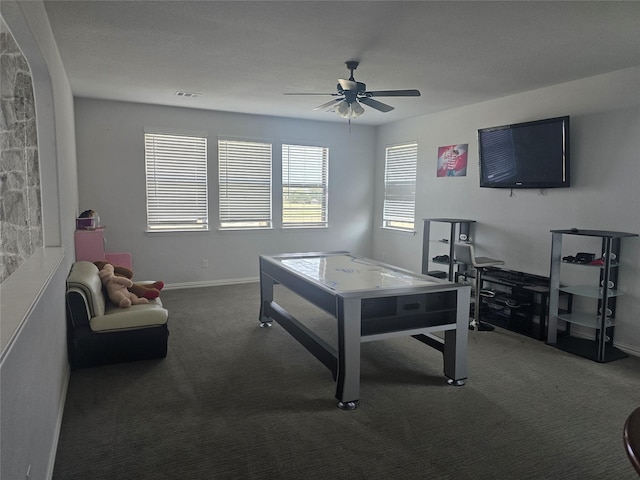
[(205, 263)]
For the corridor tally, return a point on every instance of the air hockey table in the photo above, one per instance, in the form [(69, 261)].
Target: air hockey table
[(370, 301)]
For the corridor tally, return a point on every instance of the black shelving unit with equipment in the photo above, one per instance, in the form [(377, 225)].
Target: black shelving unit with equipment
[(602, 289)]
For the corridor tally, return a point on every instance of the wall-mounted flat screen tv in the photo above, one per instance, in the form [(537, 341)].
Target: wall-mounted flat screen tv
[(525, 155)]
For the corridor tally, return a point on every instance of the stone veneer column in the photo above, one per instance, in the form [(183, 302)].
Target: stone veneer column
[(20, 201)]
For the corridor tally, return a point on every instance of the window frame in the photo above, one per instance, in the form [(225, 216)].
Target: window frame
[(305, 159), (169, 209), (238, 156), (400, 180)]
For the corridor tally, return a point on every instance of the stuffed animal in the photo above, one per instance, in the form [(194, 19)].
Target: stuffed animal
[(116, 287), (148, 291), (142, 290)]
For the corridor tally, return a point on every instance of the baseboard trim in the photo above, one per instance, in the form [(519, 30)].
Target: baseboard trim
[(211, 283), (630, 349)]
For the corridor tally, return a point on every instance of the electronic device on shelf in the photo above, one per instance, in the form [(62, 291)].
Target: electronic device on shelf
[(580, 257), (525, 155)]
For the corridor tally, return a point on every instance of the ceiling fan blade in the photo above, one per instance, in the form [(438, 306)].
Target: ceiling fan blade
[(348, 84), (329, 104), (325, 94), (393, 93), (383, 107)]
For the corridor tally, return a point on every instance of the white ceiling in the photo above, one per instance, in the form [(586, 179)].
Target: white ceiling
[(242, 56)]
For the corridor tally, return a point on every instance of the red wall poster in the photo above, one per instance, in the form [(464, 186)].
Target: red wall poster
[(452, 160)]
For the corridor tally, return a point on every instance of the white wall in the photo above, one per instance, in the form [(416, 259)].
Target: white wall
[(605, 176), (110, 151), (33, 361), (34, 371)]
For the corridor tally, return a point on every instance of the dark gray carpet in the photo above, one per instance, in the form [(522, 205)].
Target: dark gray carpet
[(234, 401)]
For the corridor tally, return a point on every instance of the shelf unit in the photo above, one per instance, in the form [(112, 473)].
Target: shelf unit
[(519, 301), (457, 227), (600, 349)]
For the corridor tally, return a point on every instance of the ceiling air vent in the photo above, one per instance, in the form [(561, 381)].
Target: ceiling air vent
[(188, 94)]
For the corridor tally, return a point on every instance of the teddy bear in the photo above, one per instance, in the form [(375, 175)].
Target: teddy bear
[(142, 290), (116, 287)]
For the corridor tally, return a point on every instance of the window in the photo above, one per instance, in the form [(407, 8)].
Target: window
[(304, 186), (400, 187), (176, 177), (245, 184)]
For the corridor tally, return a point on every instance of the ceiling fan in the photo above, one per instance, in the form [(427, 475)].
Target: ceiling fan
[(351, 94)]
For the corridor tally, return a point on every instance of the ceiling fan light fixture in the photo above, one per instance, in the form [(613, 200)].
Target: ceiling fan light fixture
[(342, 109), (356, 109), (349, 110)]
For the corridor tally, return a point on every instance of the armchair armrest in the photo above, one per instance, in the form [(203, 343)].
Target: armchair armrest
[(84, 278), (77, 307)]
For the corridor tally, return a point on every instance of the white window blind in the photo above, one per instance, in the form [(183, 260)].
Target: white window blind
[(304, 186), (245, 184), (400, 187), (176, 178)]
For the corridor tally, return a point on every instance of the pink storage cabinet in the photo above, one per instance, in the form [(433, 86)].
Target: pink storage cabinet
[(90, 246)]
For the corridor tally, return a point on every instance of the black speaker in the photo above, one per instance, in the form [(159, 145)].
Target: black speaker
[(464, 233)]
